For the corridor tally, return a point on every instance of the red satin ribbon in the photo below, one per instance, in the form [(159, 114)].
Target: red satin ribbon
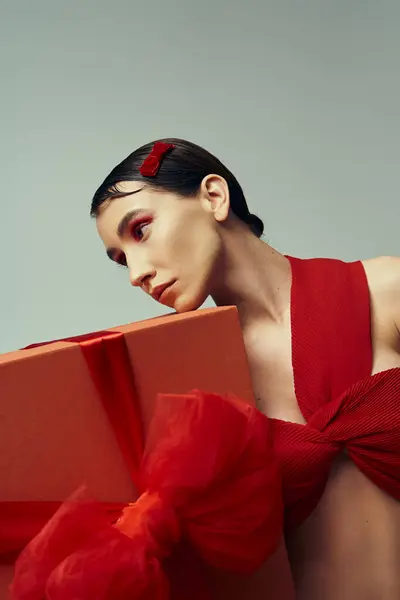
[(210, 478), (108, 362)]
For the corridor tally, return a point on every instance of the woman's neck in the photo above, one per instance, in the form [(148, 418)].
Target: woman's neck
[(254, 277)]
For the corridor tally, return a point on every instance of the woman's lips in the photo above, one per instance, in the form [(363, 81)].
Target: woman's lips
[(160, 292), (164, 294)]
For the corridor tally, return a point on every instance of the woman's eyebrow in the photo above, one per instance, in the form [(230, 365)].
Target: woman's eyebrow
[(126, 219)]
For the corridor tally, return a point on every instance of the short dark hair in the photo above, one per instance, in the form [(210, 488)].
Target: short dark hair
[(181, 172)]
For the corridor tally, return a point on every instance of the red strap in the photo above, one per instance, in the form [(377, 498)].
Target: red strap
[(109, 365), (331, 329)]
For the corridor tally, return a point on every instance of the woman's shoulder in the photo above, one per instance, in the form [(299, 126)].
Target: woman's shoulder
[(383, 275)]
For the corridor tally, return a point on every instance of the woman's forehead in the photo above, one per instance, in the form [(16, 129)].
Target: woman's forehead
[(137, 199), (134, 195), (114, 210)]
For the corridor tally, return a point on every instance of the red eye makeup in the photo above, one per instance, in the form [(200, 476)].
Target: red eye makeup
[(138, 226)]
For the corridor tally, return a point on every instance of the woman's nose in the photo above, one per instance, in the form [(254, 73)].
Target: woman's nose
[(139, 276)]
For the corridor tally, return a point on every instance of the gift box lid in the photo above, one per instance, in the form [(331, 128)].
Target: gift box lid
[(54, 432)]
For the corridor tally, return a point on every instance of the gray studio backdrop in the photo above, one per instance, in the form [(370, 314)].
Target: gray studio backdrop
[(300, 98)]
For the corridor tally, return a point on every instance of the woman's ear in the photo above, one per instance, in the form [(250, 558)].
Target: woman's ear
[(214, 195)]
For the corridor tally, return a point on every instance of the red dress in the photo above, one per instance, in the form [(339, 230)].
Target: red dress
[(346, 409)]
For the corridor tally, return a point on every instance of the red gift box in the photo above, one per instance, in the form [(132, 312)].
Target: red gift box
[(60, 403)]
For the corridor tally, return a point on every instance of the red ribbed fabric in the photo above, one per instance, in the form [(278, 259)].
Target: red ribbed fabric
[(331, 329), (345, 408)]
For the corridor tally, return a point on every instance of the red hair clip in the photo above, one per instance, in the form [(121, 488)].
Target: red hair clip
[(152, 163)]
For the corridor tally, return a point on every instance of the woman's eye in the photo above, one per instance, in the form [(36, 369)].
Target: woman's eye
[(139, 230)]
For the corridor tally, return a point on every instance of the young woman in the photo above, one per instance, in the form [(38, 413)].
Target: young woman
[(322, 338)]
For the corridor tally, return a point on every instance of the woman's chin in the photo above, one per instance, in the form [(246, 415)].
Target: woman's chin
[(184, 304)]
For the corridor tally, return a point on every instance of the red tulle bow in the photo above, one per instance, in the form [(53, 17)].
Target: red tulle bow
[(152, 163), (210, 478)]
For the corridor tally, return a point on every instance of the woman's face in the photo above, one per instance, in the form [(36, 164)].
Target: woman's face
[(169, 244)]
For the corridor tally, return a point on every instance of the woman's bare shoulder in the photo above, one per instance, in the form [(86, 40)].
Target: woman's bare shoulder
[(383, 274)]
